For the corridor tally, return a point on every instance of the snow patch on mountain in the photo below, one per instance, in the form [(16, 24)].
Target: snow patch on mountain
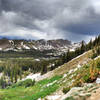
[(25, 47)]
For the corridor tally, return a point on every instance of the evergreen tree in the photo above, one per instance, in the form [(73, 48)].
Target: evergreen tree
[(20, 73), (44, 68), (12, 76), (15, 73), (82, 47), (2, 83)]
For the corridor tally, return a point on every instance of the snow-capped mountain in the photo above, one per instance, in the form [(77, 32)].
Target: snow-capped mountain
[(41, 45)]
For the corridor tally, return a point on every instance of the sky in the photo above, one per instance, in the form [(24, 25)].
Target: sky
[(74, 20)]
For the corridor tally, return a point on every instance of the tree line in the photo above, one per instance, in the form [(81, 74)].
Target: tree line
[(14, 70), (72, 54)]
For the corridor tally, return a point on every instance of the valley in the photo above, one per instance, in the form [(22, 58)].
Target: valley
[(37, 49), (49, 49), (72, 76)]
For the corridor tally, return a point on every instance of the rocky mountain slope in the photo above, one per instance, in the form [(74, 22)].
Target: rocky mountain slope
[(67, 82), (75, 72), (35, 48), (59, 44), (50, 86), (78, 78)]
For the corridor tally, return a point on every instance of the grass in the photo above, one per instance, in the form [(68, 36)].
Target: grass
[(72, 64), (39, 90)]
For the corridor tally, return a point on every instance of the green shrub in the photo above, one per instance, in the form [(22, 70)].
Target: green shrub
[(25, 83), (94, 55), (70, 98), (28, 83), (86, 78), (98, 63), (1, 69), (65, 90), (3, 83), (78, 84)]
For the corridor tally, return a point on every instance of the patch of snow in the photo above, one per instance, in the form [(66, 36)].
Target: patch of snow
[(51, 83), (41, 99), (64, 75), (26, 47), (79, 66), (71, 76), (72, 49), (22, 43), (19, 48), (11, 41), (33, 76), (9, 49), (53, 64), (83, 95), (72, 81), (53, 97), (64, 81), (97, 58), (0, 48), (98, 80), (35, 48), (1, 74), (37, 59), (70, 71), (73, 70)]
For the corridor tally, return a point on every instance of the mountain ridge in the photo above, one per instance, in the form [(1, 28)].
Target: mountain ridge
[(16, 45)]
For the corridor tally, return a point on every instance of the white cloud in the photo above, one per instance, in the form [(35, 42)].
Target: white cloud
[(50, 19), (96, 5)]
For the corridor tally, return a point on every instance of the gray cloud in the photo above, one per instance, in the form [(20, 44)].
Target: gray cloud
[(50, 19)]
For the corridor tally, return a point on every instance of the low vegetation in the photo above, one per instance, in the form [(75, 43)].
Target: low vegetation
[(16, 69), (86, 74), (65, 90), (92, 45), (26, 53), (26, 83), (38, 90), (70, 98)]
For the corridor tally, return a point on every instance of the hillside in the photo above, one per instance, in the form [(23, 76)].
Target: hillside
[(74, 76), (51, 83), (49, 49), (80, 60)]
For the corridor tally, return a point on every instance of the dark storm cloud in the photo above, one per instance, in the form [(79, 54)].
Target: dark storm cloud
[(41, 9), (82, 23), (50, 18)]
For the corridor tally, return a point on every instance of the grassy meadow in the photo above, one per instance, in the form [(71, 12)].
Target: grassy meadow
[(39, 90)]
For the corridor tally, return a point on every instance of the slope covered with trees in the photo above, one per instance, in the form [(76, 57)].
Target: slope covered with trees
[(64, 78), (84, 48)]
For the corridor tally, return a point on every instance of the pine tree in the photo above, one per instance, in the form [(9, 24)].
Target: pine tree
[(44, 67), (15, 73), (2, 83), (12, 75), (20, 73), (83, 47)]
